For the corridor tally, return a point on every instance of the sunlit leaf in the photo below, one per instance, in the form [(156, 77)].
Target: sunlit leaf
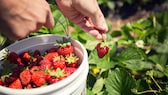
[(119, 82)]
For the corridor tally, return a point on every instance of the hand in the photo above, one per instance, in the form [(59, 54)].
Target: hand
[(18, 18), (86, 14)]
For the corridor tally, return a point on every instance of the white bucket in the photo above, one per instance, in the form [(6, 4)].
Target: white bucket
[(75, 84)]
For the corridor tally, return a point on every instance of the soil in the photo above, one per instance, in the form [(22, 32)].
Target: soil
[(130, 13)]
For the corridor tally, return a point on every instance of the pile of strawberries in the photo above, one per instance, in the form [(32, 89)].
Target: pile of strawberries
[(33, 69)]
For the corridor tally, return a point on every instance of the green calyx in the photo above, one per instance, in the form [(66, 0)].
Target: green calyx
[(64, 42), (104, 44), (58, 73), (71, 58)]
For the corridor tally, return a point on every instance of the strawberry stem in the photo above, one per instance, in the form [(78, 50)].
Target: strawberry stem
[(103, 37)]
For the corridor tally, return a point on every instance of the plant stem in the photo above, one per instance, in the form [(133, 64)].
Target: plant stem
[(160, 89), (147, 91)]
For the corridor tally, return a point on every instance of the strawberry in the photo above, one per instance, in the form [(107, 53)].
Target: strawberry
[(52, 80), (1, 82), (59, 62), (65, 49), (39, 78), (25, 77), (16, 84), (25, 56), (71, 60), (14, 58), (29, 86), (53, 49), (36, 53), (10, 79), (45, 64), (102, 49), (69, 70), (50, 56), (34, 69)]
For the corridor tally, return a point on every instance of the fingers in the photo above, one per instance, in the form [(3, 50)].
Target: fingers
[(49, 18), (86, 25), (93, 11)]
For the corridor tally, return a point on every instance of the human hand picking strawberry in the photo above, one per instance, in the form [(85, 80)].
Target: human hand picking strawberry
[(86, 14)]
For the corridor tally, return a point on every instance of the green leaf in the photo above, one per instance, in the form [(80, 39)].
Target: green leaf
[(91, 44), (103, 63), (98, 86), (137, 64), (89, 92), (131, 53), (119, 82), (111, 5), (166, 70)]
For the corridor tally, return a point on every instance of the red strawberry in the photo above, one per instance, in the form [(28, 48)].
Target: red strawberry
[(25, 56), (29, 86), (69, 70), (59, 62), (25, 77), (1, 82), (52, 80), (102, 49), (71, 60), (45, 64), (16, 84), (65, 49), (39, 78), (34, 69), (50, 56)]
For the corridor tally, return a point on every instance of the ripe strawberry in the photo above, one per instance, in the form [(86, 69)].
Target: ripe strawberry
[(25, 56), (16, 84), (59, 62), (29, 86), (50, 56), (69, 70), (1, 82), (25, 77), (45, 64), (71, 60), (52, 80), (39, 78), (65, 49), (34, 69), (102, 49)]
